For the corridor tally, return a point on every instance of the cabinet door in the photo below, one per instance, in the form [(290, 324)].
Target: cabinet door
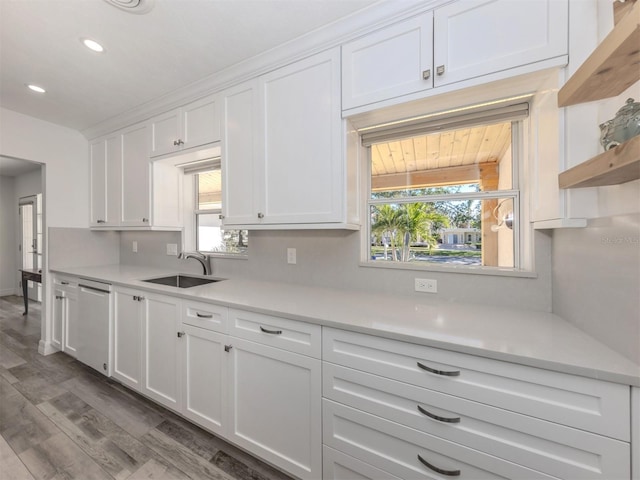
[(165, 133), (71, 318), (200, 123), (302, 145), (58, 319), (275, 407), (127, 338), (477, 37), (239, 166), (204, 377), (98, 183), (161, 359), (135, 177), (388, 63)]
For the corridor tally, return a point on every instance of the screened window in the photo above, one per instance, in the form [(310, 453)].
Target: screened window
[(445, 192), (211, 236)]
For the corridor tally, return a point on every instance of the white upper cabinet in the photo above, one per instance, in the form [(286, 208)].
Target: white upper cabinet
[(239, 157), (127, 190), (458, 42), (135, 200), (105, 181), (193, 125), (388, 63), (282, 147), (478, 37)]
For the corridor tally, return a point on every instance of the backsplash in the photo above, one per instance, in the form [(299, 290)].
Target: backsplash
[(330, 258), (596, 280)]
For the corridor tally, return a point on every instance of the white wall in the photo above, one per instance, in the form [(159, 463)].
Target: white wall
[(8, 246), (64, 153), (596, 270)]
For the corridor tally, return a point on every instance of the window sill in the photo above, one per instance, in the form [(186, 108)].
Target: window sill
[(226, 255), (494, 271)]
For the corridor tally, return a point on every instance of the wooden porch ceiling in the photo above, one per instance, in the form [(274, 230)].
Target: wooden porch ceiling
[(437, 159)]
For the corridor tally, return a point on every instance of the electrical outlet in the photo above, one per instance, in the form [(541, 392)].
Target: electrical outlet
[(172, 249), (291, 256), (134, 247), (427, 285)]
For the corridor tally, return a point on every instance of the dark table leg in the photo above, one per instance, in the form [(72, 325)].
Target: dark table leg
[(24, 295)]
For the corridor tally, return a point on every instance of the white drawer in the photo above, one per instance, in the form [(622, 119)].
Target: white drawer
[(66, 283), (405, 452), (583, 403), (338, 466), (291, 335), (547, 447), (205, 315)]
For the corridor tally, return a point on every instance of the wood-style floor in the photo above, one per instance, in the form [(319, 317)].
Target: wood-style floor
[(61, 420)]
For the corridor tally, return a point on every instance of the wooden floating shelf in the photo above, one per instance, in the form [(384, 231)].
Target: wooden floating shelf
[(618, 165), (612, 67)]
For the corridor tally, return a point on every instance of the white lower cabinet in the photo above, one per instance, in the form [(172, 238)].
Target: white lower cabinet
[(204, 368), (274, 406), (162, 361), (336, 465), (64, 334), (127, 337), (421, 412), (146, 349)]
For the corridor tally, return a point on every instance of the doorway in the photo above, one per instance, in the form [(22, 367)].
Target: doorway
[(30, 246)]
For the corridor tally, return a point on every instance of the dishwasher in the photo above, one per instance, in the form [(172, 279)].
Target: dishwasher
[(94, 325)]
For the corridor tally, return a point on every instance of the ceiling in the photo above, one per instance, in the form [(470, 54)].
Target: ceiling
[(456, 154), (146, 55)]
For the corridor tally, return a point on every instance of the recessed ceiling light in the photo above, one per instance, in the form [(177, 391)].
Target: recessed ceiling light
[(36, 88), (92, 45)]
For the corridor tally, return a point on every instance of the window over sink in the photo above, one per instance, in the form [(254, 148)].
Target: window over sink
[(443, 189), (211, 236)]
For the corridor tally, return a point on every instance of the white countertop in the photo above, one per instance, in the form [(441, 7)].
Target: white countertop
[(525, 337)]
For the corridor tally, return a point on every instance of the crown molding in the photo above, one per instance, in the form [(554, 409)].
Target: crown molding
[(377, 16)]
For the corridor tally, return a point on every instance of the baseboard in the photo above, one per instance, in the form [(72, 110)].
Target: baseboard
[(46, 348), (8, 291)]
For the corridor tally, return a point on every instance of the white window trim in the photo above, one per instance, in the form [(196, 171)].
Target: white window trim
[(523, 245)]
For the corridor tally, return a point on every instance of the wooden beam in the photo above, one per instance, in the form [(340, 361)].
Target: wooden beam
[(611, 68), (436, 177)]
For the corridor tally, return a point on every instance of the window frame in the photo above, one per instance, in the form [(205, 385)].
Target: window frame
[(194, 214), (523, 255)]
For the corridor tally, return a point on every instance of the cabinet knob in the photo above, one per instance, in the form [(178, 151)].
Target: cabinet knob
[(260, 215), (440, 69), (228, 348), (100, 221), (178, 142), (221, 217), (145, 220), (180, 334), (426, 74), (59, 297)]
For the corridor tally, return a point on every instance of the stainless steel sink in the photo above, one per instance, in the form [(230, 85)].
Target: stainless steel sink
[(182, 281)]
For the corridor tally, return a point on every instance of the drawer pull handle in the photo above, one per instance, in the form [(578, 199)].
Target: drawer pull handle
[(64, 283), (450, 473), (202, 315), (437, 417), (272, 332), (453, 373)]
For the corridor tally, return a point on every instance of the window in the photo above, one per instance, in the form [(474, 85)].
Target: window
[(211, 237), (444, 191)]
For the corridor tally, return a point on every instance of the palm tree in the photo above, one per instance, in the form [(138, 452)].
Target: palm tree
[(387, 221)]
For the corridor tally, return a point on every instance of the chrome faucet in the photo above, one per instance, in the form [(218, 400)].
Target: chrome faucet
[(203, 259)]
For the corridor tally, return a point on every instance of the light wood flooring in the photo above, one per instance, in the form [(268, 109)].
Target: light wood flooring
[(61, 420)]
